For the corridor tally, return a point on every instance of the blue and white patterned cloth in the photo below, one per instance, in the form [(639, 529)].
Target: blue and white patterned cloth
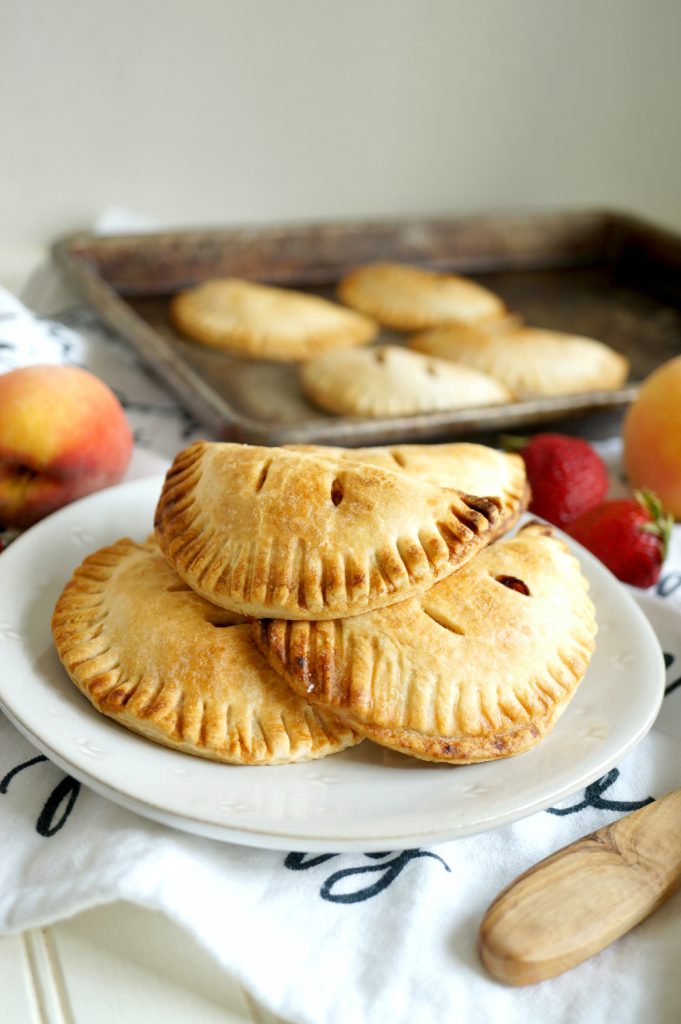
[(320, 938)]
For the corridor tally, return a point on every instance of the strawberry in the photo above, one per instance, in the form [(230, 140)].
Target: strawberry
[(630, 536), (566, 475)]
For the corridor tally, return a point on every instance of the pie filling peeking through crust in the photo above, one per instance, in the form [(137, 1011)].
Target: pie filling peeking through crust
[(471, 468), (477, 668), (159, 659), (272, 532)]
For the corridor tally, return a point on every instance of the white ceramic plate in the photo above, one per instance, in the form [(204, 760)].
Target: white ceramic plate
[(365, 799)]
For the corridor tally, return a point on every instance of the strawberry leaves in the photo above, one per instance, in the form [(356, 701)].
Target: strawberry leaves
[(660, 524)]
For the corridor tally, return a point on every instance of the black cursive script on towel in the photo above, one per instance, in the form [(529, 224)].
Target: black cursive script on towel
[(59, 804), (593, 797), (669, 660), (386, 871)]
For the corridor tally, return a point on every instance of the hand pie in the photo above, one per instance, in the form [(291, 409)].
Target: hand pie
[(410, 298), (527, 360), (479, 667), (265, 531), (160, 660), (262, 322), (471, 468), (388, 380)]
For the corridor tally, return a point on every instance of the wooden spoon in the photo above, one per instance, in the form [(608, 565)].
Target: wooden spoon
[(582, 898)]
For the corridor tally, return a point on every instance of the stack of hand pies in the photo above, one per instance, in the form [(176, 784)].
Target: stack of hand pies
[(295, 601)]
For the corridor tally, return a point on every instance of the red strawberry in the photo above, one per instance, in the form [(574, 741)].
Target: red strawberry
[(630, 536), (566, 475)]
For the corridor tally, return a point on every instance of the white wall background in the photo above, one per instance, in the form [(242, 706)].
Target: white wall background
[(216, 111)]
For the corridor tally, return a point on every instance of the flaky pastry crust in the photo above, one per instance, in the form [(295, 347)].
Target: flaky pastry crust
[(477, 668), (267, 531), (263, 322), (470, 468), (529, 361), (390, 380), (165, 663), (408, 298)]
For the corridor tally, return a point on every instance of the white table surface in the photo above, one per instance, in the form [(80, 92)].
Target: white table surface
[(117, 963)]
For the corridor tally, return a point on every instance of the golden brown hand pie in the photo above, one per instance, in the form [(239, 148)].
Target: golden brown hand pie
[(477, 668), (160, 660), (471, 468), (266, 531), (389, 380), (527, 360), (409, 298), (262, 322)]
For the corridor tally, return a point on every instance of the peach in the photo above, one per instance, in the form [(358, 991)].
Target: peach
[(63, 434), (652, 436)]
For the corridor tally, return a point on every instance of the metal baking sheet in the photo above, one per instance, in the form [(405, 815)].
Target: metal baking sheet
[(601, 274)]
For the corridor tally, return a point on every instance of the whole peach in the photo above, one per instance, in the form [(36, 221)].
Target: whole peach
[(652, 436), (63, 434)]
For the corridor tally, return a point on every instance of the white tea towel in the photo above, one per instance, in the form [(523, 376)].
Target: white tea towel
[(321, 938)]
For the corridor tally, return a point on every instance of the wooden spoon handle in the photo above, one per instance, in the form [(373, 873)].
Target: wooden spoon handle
[(582, 898)]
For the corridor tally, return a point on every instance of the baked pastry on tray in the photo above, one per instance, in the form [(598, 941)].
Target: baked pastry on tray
[(529, 361), (280, 533), (471, 468), (165, 663), (263, 322), (389, 380), (477, 668), (409, 298)]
